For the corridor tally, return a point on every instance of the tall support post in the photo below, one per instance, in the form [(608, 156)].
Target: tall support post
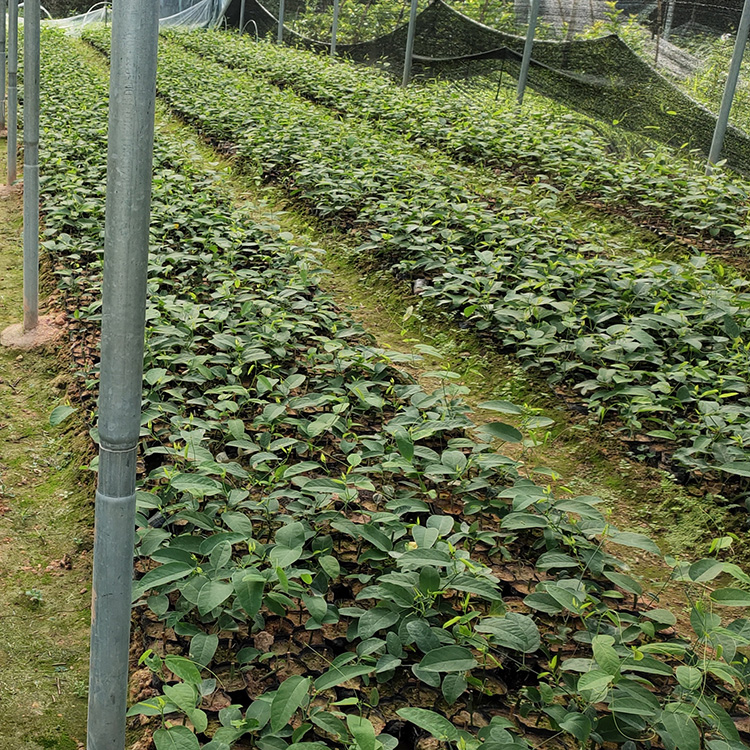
[(280, 34), (527, 49), (132, 94), (12, 91), (335, 26), (31, 22), (242, 17), (410, 34), (668, 23), (729, 88), (3, 19)]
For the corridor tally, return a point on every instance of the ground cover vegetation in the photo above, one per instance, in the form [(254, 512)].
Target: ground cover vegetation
[(326, 556), (658, 343)]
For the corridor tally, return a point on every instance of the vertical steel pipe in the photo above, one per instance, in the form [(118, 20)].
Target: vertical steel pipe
[(135, 28), (31, 23), (12, 91), (242, 17), (3, 20), (527, 49), (730, 87), (280, 34), (410, 43), (335, 26)]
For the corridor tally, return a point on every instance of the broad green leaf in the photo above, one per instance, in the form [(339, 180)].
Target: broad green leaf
[(504, 407), (682, 730), (594, 686), (514, 631), (195, 484), (576, 724), (161, 575), (448, 659), (60, 414), (329, 723), (690, 678), (289, 697), (606, 657), (212, 594), (376, 619), (248, 588), (731, 597), (203, 647), (175, 738), (454, 685), (338, 675), (438, 726), (362, 731), (501, 431), (183, 668)]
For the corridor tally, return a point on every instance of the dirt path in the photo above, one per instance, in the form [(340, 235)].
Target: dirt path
[(45, 534)]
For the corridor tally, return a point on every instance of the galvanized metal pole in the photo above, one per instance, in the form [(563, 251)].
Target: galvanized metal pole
[(335, 26), (410, 43), (3, 19), (527, 48), (135, 28), (31, 22), (242, 17), (731, 85), (280, 34), (12, 91)]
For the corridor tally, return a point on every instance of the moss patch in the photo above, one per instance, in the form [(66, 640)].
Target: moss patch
[(45, 534)]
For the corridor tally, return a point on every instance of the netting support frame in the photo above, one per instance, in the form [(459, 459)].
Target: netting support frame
[(409, 52), (722, 119), (527, 50)]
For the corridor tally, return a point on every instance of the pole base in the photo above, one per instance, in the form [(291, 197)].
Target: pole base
[(46, 332)]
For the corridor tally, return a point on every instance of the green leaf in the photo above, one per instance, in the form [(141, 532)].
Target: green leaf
[(362, 731), (183, 668), (626, 583), (454, 685), (438, 726), (329, 723), (212, 594), (338, 675), (504, 407), (514, 631), (195, 484), (203, 647), (289, 697), (60, 414), (330, 566), (501, 431), (175, 738), (576, 724), (376, 619), (448, 659), (690, 678), (606, 657), (161, 575), (594, 686), (248, 588), (682, 730), (739, 468), (517, 521), (731, 597)]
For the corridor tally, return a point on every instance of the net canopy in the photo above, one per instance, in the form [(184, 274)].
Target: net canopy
[(172, 13), (601, 76)]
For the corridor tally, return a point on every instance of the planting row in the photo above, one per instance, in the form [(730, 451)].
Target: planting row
[(538, 142), (325, 557), (660, 344)]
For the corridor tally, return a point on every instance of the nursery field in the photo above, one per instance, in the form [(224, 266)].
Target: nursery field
[(334, 547)]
